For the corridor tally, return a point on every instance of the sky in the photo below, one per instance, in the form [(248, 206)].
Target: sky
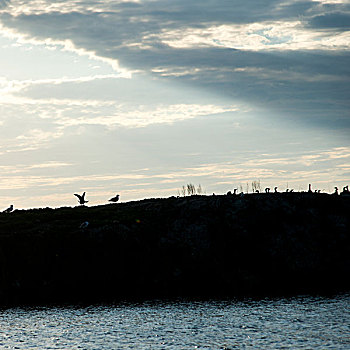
[(142, 97)]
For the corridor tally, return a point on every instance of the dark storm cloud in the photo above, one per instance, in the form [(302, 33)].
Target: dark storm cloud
[(310, 84), (133, 20), (332, 20)]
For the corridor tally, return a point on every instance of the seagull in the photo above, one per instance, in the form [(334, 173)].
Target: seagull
[(114, 199), (346, 191), (81, 198), (9, 209)]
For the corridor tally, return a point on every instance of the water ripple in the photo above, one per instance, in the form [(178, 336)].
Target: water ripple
[(293, 323)]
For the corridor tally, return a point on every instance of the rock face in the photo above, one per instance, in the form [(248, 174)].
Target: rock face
[(281, 243)]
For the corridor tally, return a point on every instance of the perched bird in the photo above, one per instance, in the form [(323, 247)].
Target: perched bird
[(335, 191), (267, 189), (276, 189), (114, 199), (9, 209), (346, 191), (81, 198)]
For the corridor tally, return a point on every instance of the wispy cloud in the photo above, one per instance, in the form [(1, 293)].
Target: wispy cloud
[(280, 35), (270, 171)]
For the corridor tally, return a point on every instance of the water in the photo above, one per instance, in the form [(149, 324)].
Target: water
[(284, 323)]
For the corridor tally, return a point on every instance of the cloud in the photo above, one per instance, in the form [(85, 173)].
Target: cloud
[(189, 90), (340, 21), (277, 35), (4, 3), (54, 186), (260, 53)]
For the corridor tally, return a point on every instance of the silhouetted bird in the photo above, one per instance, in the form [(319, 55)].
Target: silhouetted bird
[(276, 189), (267, 189), (310, 190), (235, 191), (346, 191), (81, 198), (9, 209), (114, 199), (335, 191)]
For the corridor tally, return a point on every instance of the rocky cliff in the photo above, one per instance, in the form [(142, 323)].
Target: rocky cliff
[(190, 246)]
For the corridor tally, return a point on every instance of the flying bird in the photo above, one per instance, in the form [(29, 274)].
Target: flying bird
[(81, 198), (9, 209), (114, 199)]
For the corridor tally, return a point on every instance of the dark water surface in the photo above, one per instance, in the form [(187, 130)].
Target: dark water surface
[(303, 322)]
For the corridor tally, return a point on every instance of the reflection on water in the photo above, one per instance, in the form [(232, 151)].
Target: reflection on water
[(295, 323)]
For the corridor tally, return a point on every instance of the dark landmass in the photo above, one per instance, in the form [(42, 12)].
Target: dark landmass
[(208, 246)]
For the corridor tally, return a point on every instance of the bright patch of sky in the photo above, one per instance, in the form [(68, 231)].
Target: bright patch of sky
[(28, 61)]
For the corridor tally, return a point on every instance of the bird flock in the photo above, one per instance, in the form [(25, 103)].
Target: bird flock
[(345, 191), (81, 200), (115, 199)]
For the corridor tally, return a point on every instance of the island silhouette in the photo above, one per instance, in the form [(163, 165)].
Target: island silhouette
[(269, 243)]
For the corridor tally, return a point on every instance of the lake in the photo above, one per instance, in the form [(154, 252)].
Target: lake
[(303, 322)]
